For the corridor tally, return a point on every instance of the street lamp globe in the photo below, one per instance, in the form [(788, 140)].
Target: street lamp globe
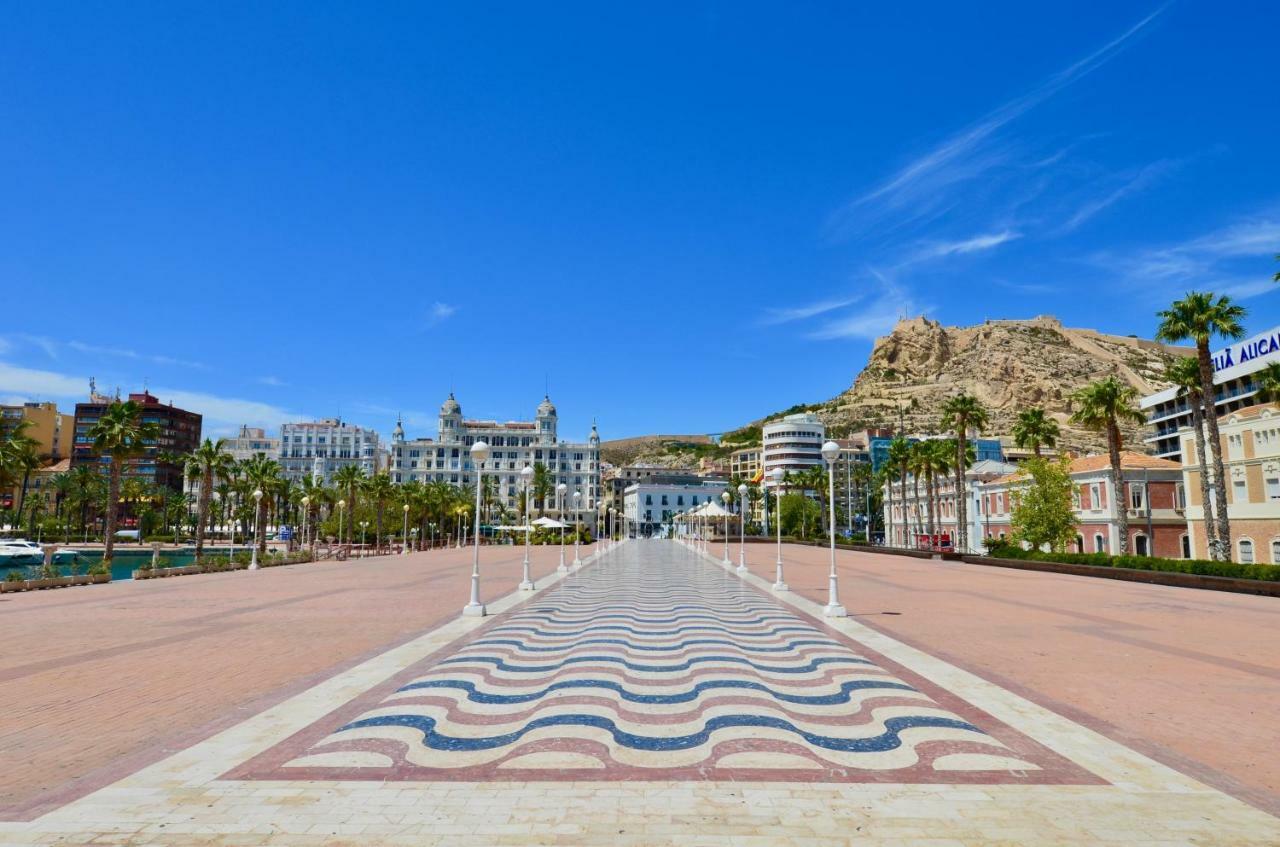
[(406, 508), (742, 490), (257, 494), (342, 504), (776, 475), (306, 501), (480, 452), (726, 497), (830, 451), (527, 474)]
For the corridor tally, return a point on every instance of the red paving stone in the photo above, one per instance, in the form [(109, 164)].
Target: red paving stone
[(98, 681), (1189, 677)]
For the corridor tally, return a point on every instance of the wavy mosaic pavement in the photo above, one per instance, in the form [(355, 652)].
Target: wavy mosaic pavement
[(664, 666)]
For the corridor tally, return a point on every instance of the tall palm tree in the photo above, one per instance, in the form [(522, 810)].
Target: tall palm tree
[(941, 457), (1185, 375), (120, 435), (1199, 316), (900, 460), (543, 485), (348, 480), (960, 414), (261, 474), (19, 456), (207, 461), (1035, 429), (916, 464), (380, 490), (1103, 406)]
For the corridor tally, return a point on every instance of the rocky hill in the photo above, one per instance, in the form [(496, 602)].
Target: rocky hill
[(666, 450), (1009, 365)]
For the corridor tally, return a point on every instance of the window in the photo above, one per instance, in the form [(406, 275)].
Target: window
[(1099, 545), (1239, 491), (1273, 488), (1079, 543), (1140, 545), (1137, 496), (1179, 496), (1095, 496), (1275, 551), (1246, 551)]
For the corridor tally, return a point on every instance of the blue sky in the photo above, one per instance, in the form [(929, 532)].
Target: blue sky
[(680, 216)]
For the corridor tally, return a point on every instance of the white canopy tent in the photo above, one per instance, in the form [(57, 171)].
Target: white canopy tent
[(550, 523)]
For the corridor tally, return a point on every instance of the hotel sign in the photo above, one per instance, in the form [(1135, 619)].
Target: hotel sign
[(1257, 347)]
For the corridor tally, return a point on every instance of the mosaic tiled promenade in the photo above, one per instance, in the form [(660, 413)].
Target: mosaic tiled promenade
[(651, 697)]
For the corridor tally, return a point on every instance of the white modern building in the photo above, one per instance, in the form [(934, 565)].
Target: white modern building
[(793, 443), (1233, 368), (654, 502), (319, 448), (513, 446), (252, 441)]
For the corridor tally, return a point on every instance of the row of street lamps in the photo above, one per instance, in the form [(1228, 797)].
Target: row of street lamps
[(834, 608)]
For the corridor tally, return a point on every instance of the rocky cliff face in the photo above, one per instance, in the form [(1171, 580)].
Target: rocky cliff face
[(1008, 365)]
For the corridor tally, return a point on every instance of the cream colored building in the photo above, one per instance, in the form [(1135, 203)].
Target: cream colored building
[(1251, 463)]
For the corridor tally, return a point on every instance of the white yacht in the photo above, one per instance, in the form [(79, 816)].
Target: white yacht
[(19, 551)]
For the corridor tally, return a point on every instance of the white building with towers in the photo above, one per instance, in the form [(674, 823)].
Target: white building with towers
[(513, 446)]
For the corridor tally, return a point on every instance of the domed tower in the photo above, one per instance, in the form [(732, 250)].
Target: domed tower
[(450, 420), (546, 420), (594, 440), (397, 434)]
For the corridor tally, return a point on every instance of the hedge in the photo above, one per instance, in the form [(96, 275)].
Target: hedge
[(1200, 567)]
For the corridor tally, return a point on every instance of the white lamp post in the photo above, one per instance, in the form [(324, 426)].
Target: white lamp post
[(776, 475), (364, 525), (404, 538), (479, 453), (833, 609), (577, 530), (612, 525), (526, 476), (257, 528), (306, 519), (560, 490), (725, 498), (217, 498), (342, 509), (742, 524)]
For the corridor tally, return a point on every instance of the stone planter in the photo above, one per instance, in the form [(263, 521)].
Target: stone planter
[(35, 584), (100, 578), (147, 574), (82, 579), (7, 586)]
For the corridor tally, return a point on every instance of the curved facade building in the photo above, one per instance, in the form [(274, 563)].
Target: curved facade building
[(793, 443)]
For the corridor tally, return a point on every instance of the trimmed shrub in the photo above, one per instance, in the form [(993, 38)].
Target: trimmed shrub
[(1199, 567)]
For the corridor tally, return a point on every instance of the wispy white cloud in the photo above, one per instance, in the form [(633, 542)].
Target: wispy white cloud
[(273, 381), (123, 353), (1235, 259), (918, 187), (5, 346), (875, 317), (1130, 183), (975, 244), (441, 312), (221, 414), (799, 313)]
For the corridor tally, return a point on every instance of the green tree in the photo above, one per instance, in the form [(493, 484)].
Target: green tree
[(19, 456), (960, 414), (1200, 316), (380, 490), (1035, 429), (798, 514), (1103, 406), (1185, 376), (207, 461), (1042, 509), (261, 474), (348, 480), (120, 434), (900, 462), (543, 485), (1267, 381)]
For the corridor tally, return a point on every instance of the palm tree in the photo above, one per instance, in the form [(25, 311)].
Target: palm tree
[(1185, 375), (348, 480), (380, 490), (1035, 429), (916, 463), (543, 485), (120, 434), (1267, 382), (1199, 316), (19, 456), (940, 456), (899, 460), (261, 474), (1104, 405), (961, 414), (207, 461)]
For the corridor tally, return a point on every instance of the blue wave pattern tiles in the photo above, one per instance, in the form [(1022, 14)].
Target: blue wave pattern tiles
[(655, 664)]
